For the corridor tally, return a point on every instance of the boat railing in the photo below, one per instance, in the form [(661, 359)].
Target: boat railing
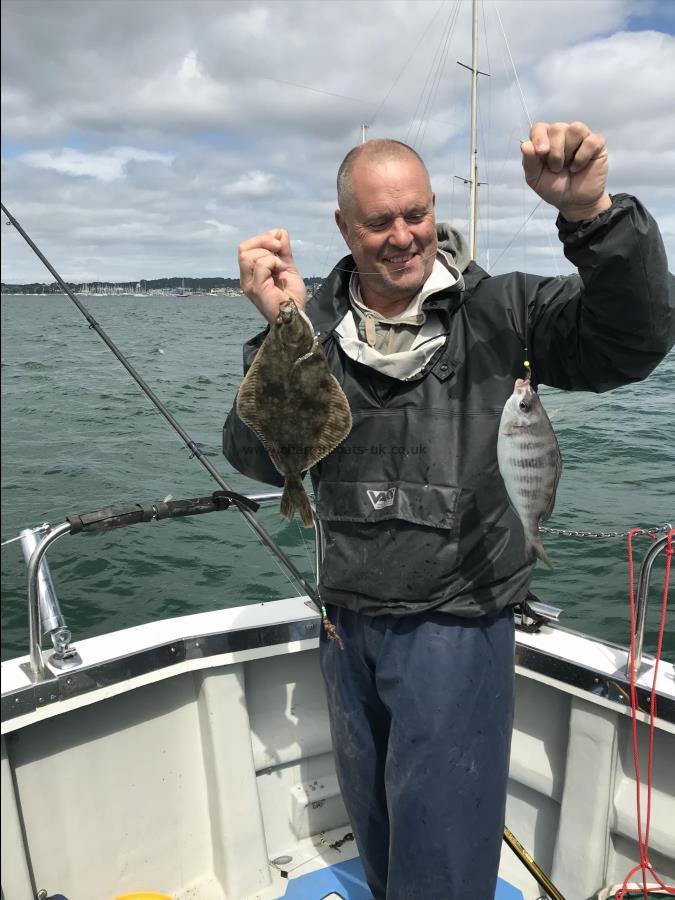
[(659, 546), (44, 612), (45, 616)]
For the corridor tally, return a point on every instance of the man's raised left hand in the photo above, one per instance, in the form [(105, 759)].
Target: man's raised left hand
[(566, 164)]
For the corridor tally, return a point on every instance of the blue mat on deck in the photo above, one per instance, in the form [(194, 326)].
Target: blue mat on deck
[(348, 881)]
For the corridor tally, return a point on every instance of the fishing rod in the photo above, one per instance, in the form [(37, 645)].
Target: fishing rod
[(195, 450), (532, 867)]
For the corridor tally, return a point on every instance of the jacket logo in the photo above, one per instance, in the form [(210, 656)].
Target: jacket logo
[(380, 499)]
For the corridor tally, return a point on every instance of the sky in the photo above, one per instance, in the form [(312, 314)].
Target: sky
[(149, 138)]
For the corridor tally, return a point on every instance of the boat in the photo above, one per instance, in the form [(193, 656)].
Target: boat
[(191, 757), (183, 292), (139, 291)]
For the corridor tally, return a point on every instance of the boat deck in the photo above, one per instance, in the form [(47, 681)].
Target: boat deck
[(347, 881)]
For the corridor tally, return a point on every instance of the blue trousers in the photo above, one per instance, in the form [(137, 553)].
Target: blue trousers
[(421, 713)]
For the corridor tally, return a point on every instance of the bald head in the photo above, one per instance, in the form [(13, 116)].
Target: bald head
[(375, 152)]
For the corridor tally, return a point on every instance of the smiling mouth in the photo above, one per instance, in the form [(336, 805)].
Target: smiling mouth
[(400, 259)]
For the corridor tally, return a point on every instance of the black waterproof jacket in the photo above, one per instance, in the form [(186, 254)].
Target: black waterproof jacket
[(414, 509)]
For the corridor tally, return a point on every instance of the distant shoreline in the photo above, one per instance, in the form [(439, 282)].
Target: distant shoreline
[(145, 287), (214, 292)]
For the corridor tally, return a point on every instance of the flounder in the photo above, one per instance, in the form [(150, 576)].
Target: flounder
[(293, 403)]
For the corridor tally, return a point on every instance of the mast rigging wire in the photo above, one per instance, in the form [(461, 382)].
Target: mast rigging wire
[(191, 445), (436, 60), (515, 72), (431, 98), (406, 63)]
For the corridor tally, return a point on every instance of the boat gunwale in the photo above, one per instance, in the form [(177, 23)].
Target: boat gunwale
[(203, 640)]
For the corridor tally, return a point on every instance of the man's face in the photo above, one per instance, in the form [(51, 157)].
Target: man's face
[(390, 228)]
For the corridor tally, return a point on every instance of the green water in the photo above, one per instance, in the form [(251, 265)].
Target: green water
[(78, 434)]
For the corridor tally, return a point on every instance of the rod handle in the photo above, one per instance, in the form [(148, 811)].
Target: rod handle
[(121, 516)]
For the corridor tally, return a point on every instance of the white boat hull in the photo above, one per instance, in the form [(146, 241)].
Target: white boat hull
[(186, 756)]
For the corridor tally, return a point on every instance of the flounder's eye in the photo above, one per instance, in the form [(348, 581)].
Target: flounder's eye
[(524, 405)]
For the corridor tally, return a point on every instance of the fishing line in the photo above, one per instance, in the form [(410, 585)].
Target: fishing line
[(282, 569), (308, 553), (423, 256), (517, 233), (306, 87), (195, 449)]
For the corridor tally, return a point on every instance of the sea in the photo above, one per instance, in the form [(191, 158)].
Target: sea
[(79, 435)]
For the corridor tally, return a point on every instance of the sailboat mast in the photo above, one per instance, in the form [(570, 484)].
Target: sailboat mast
[(473, 217)]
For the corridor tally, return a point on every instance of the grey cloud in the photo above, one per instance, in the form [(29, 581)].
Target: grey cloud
[(204, 87)]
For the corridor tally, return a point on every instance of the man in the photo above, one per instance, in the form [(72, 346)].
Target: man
[(425, 559)]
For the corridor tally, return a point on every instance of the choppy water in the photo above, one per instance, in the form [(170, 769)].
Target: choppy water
[(78, 434)]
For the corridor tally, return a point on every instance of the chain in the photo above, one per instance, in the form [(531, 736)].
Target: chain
[(562, 532), (44, 527)]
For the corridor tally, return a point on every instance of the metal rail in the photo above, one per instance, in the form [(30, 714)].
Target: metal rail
[(37, 664), (65, 656), (642, 596)]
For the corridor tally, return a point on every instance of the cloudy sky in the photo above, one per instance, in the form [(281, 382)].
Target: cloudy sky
[(148, 138)]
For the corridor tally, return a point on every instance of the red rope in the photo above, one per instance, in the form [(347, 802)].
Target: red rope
[(644, 866)]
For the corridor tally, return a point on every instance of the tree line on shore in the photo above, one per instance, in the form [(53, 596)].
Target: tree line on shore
[(194, 285)]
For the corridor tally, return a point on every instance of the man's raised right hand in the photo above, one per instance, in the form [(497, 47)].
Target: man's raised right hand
[(268, 273)]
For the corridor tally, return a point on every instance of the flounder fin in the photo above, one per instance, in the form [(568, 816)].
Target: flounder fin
[(337, 426), (249, 410), (295, 498), (247, 397), (248, 402)]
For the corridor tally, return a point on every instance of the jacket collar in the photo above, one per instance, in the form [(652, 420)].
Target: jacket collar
[(330, 304)]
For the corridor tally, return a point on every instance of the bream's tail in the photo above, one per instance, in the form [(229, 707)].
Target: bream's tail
[(535, 548)]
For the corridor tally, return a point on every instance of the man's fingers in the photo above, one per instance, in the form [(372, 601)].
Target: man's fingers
[(257, 268), (593, 146), (248, 261), (539, 138), (267, 241), (265, 268), (274, 241), (284, 251), (558, 141), (532, 164), (563, 144)]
